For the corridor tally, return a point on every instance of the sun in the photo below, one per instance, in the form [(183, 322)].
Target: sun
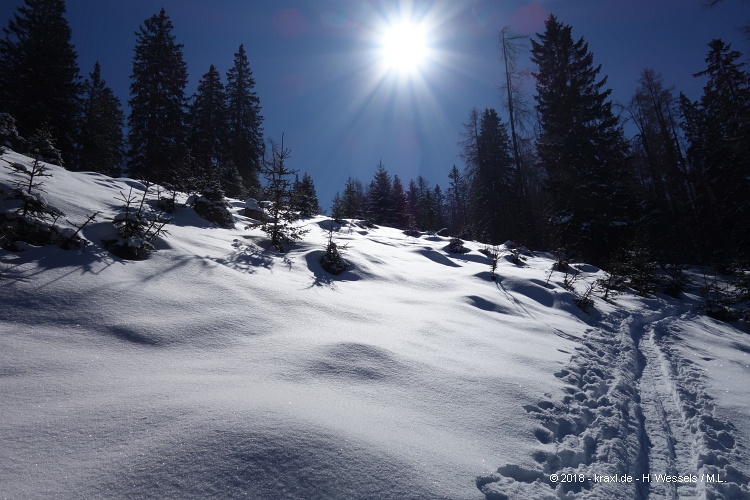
[(404, 47)]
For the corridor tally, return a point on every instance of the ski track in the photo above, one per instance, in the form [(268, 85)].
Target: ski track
[(633, 407)]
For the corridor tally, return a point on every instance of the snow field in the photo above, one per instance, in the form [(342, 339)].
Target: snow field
[(218, 368)]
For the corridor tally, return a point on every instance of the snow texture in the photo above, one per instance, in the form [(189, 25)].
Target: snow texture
[(219, 368)]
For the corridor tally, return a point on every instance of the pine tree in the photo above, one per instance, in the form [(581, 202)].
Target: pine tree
[(439, 198), (304, 197), (39, 76), (400, 217), (718, 130), (157, 117), (580, 145), (380, 197), (281, 227), (337, 208), (426, 212), (457, 202), (207, 127), (245, 138), (661, 167), (100, 140), (413, 220), (492, 198), (351, 202)]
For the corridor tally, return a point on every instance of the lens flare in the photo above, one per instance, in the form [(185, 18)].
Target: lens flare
[(404, 47)]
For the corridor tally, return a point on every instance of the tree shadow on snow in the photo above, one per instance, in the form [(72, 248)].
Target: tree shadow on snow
[(93, 259), (247, 258), (437, 257)]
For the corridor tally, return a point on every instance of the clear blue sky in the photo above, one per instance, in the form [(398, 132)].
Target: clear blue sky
[(321, 81)]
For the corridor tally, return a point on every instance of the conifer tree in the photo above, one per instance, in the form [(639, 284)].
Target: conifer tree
[(157, 117), (718, 130), (491, 188), (100, 140), (281, 227), (207, 127), (304, 196), (662, 171), (426, 213), (337, 208), (245, 136), (351, 201), (457, 202), (400, 218), (580, 145), (380, 197), (39, 76), (413, 219)]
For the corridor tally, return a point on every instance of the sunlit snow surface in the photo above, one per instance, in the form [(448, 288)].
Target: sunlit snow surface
[(219, 368)]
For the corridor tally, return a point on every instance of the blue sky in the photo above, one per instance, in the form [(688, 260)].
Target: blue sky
[(321, 81)]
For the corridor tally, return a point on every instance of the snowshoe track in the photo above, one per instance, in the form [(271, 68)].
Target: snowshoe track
[(633, 407)]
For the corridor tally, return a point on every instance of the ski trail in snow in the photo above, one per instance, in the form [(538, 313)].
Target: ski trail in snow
[(633, 408), (671, 445)]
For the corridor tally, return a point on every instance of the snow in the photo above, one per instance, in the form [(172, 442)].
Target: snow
[(220, 368)]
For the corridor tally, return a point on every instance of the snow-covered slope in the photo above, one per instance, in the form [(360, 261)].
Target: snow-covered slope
[(219, 369)]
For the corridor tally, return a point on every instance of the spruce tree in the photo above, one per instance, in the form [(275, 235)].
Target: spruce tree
[(491, 206), (245, 137), (100, 140), (380, 197), (281, 227), (304, 196), (580, 145), (457, 203), (157, 104), (207, 128), (718, 130), (425, 214), (39, 77), (657, 153), (413, 220), (337, 208), (351, 202), (400, 218)]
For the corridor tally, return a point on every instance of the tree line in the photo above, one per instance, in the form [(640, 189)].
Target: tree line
[(214, 137), (678, 188), (560, 174)]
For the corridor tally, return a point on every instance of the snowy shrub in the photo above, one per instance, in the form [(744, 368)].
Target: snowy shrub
[(212, 206), (639, 268), (585, 300), (611, 285), (517, 253), (492, 253), (332, 260), (166, 199), (717, 300), (456, 245), (674, 280), (28, 217), (562, 261), (570, 278), (137, 226), (40, 147)]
